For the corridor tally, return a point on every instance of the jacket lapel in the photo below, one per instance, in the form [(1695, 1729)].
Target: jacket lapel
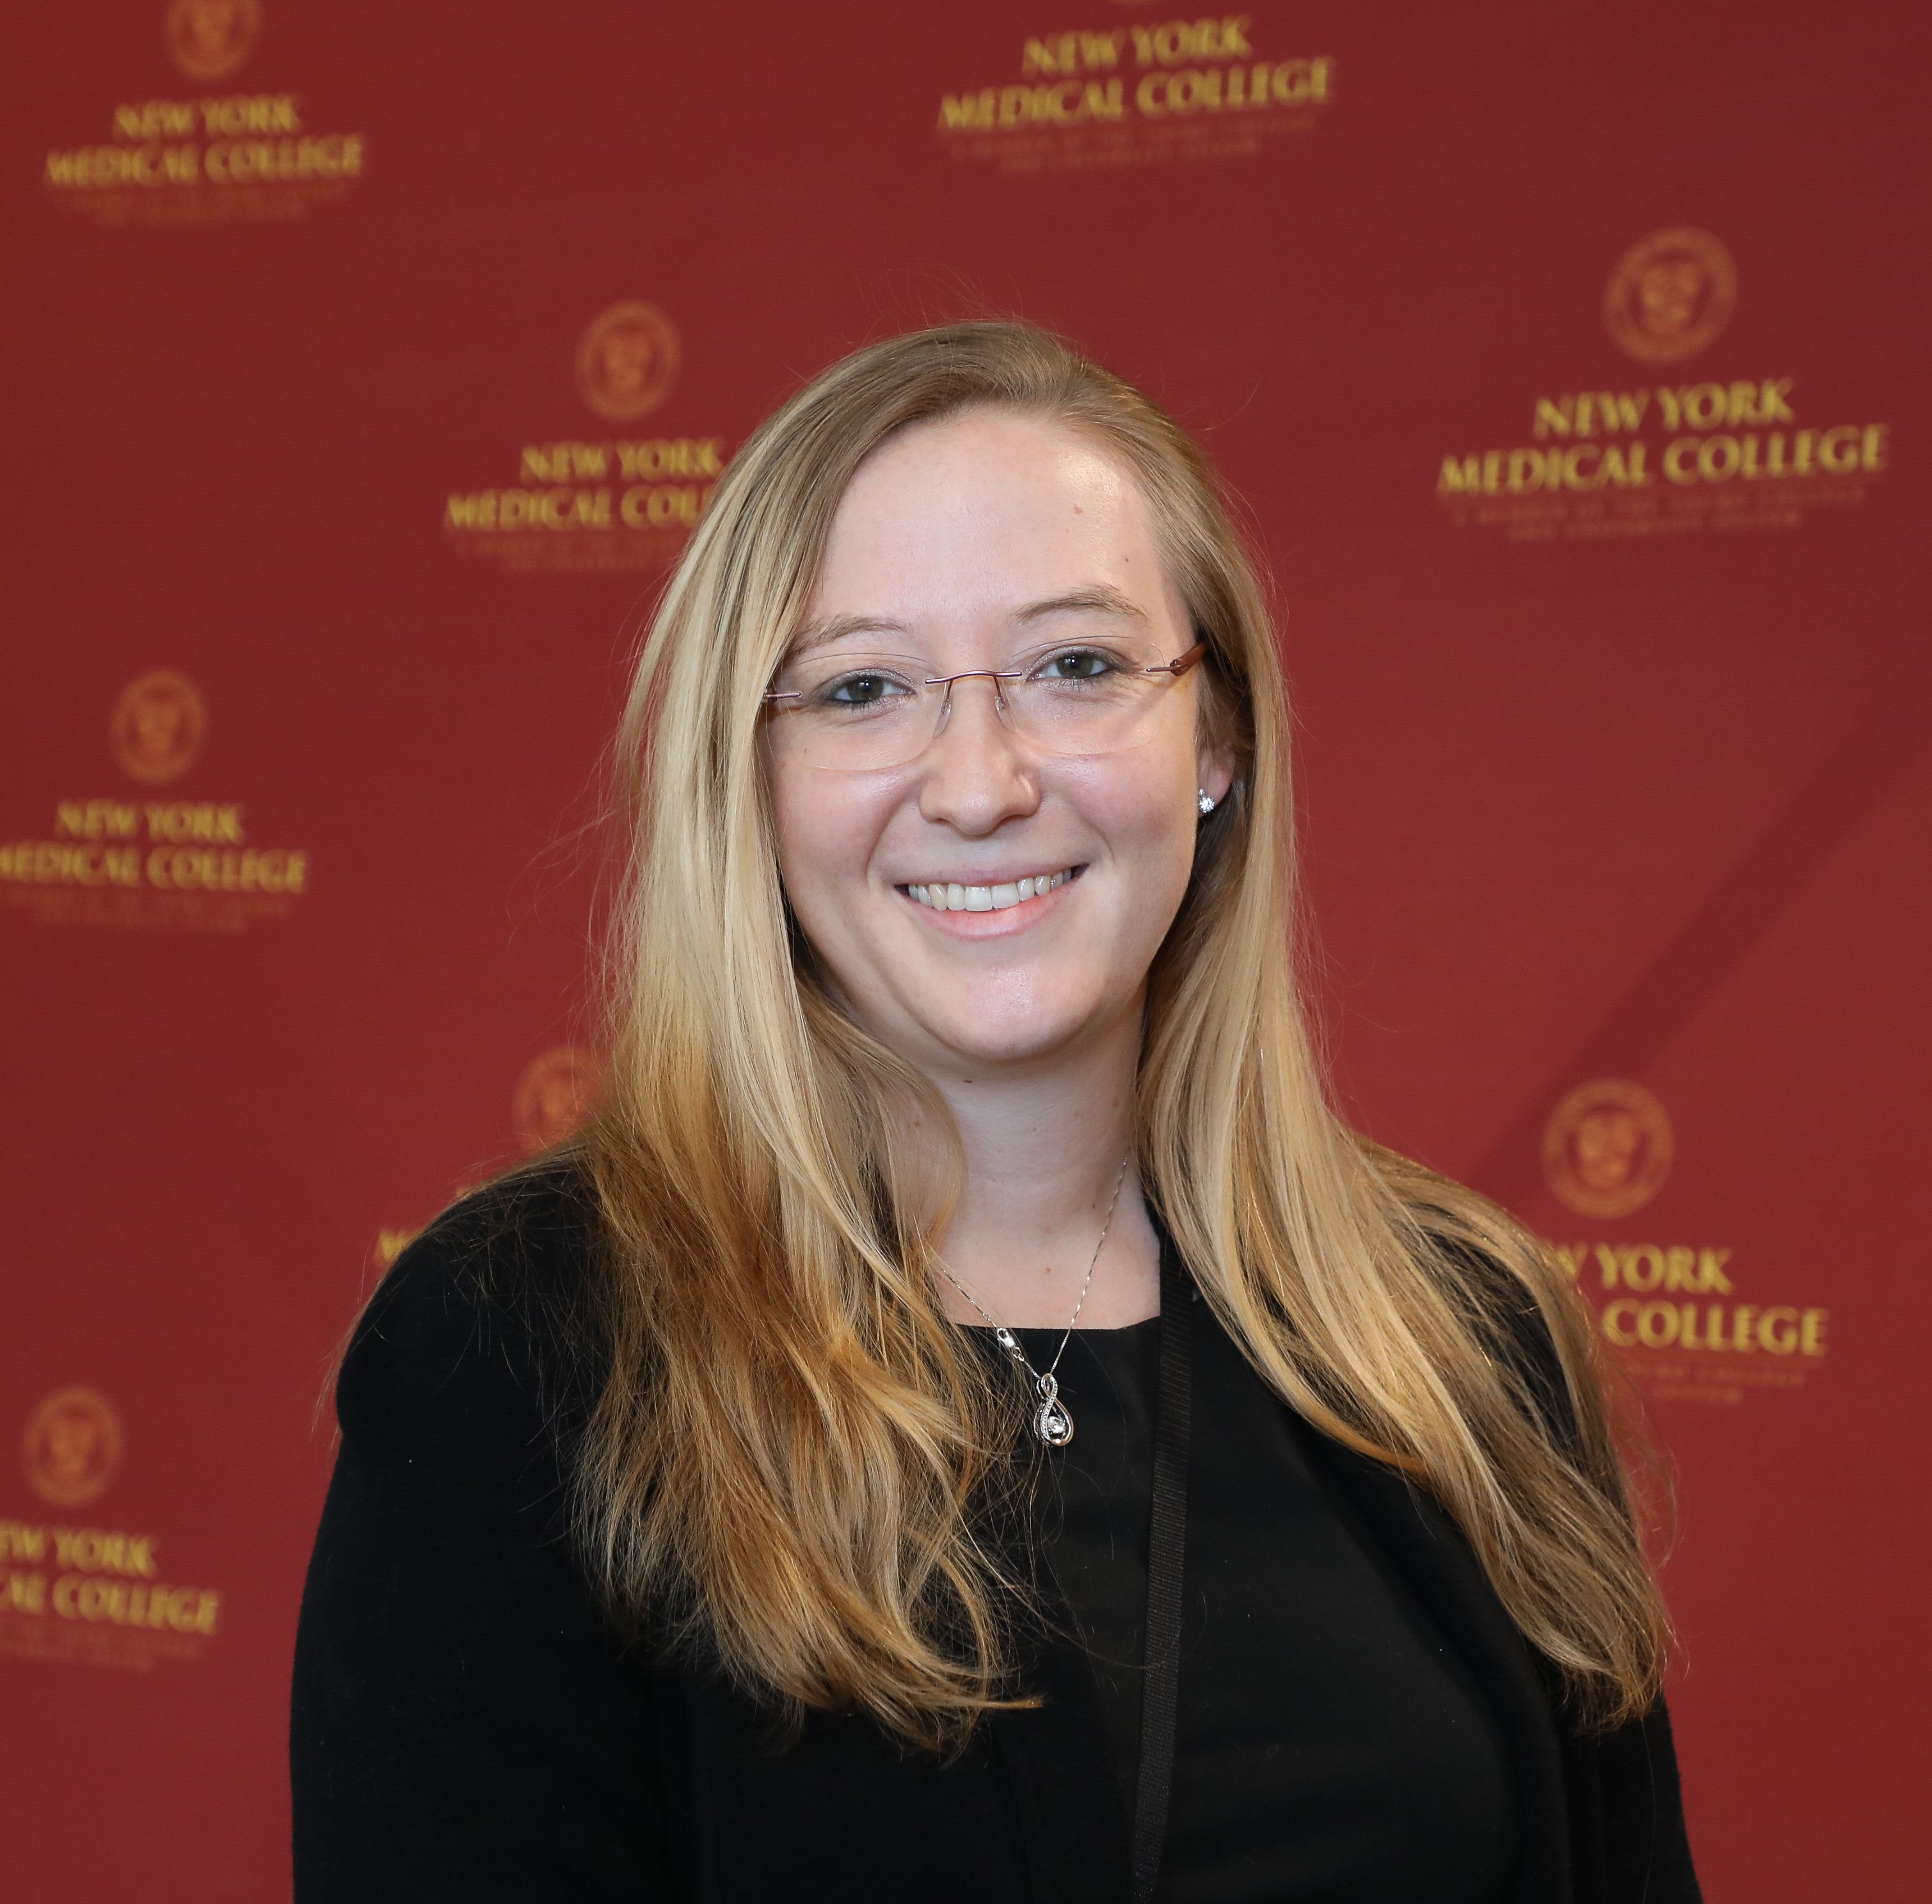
[(1445, 1574), (1059, 1763)]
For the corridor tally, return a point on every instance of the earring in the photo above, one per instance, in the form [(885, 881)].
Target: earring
[(1205, 801)]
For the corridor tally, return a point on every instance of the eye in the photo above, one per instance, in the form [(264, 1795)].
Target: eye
[(860, 690), (1076, 664)]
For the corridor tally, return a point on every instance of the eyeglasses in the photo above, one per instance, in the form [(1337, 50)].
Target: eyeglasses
[(853, 712)]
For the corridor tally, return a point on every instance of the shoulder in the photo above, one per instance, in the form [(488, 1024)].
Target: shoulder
[(490, 1305), (1527, 1318)]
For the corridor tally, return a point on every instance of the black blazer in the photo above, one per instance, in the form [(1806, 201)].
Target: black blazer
[(467, 1723)]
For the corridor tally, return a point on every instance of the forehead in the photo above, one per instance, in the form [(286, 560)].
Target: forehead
[(973, 517)]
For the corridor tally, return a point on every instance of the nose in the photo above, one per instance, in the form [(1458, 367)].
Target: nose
[(976, 774)]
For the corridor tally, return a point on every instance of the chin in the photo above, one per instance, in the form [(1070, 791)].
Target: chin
[(1013, 1037)]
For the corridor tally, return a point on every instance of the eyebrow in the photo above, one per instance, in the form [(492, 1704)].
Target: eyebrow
[(1097, 597), (837, 627)]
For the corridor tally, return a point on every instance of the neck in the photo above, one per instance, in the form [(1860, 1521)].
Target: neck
[(1044, 1143)]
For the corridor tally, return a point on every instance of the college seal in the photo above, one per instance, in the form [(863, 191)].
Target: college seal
[(1606, 1149), (1670, 294), (158, 724), (627, 360), (210, 39), (71, 1447), (555, 1093)]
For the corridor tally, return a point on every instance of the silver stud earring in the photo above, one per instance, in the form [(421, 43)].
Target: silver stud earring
[(1205, 801)]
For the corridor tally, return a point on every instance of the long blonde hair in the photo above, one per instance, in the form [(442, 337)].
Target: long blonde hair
[(793, 1448)]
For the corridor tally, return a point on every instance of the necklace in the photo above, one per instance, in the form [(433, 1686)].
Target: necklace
[(1051, 1420)]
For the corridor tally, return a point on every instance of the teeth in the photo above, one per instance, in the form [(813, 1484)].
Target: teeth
[(949, 898)]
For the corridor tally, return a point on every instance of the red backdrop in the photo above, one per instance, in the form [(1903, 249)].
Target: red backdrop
[(365, 365)]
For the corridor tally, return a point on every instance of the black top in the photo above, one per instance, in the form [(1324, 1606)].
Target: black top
[(1330, 1744), (468, 1725)]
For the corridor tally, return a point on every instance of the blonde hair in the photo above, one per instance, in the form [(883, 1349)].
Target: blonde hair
[(792, 1451)]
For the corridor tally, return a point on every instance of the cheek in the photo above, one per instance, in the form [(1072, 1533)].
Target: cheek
[(1142, 804), (827, 826)]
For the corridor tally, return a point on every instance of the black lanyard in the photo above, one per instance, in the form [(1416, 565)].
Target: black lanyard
[(1167, 1542)]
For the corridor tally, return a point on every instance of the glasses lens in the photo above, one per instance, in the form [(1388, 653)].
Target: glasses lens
[(1088, 697), (853, 712), (850, 712)]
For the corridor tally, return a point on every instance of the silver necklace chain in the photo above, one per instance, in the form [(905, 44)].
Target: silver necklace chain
[(1051, 1420)]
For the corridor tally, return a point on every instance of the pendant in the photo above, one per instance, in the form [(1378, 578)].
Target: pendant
[(1051, 1421)]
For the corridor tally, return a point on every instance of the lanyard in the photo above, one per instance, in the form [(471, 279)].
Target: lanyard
[(1167, 1540)]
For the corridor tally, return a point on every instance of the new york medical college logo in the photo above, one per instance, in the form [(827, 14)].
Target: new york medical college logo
[(152, 855), (1695, 1324), (1127, 93), (624, 501), (78, 1594), (1681, 452), (217, 157)]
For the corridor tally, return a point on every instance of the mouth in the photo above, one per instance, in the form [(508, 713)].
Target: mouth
[(952, 897)]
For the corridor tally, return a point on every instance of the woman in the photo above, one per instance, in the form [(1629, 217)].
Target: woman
[(966, 1419)]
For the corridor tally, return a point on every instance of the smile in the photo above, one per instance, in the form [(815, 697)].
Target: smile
[(954, 898)]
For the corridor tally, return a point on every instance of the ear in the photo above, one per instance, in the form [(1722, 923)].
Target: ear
[(1214, 771)]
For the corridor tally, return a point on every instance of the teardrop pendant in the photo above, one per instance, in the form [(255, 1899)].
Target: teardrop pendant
[(1051, 1421)]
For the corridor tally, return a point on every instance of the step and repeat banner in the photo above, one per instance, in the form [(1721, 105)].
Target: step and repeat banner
[(367, 369)]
